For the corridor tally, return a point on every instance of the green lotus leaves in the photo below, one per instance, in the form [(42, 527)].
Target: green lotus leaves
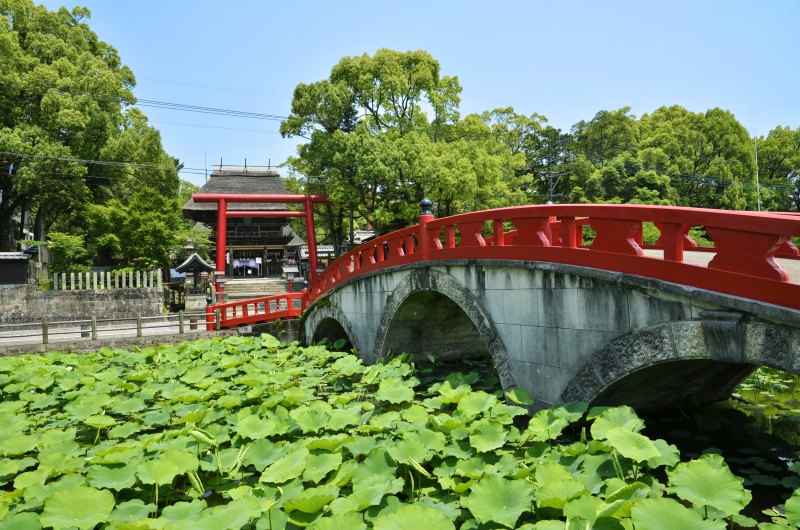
[(255, 427), (317, 466), (80, 507), (792, 508), (487, 435), (18, 445), (498, 500), (290, 466), (623, 417), (347, 521), (237, 433), (708, 482), (476, 403), (131, 511), (312, 500), (668, 514), (546, 425), (393, 390), (414, 517), (631, 445), (520, 396), (409, 449), (21, 521), (157, 471), (116, 478)]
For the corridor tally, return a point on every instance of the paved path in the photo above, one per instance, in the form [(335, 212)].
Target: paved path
[(791, 266), (57, 333)]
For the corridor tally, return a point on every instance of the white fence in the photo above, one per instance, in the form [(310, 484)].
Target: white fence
[(103, 280)]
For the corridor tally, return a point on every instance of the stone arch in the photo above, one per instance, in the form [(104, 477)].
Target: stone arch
[(657, 366), (331, 323), (428, 291)]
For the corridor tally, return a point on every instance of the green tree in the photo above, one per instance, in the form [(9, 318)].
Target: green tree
[(376, 152), (65, 113)]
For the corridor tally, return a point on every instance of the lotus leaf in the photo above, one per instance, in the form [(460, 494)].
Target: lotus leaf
[(116, 478), (498, 500), (80, 507), (631, 445), (347, 521), (556, 494), (545, 425), (317, 466), (393, 390), (232, 516), (263, 453), (341, 418), (668, 514), (792, 508), (572, 411), (312, 500), (520, 396), (476, 403), (361, 446), (131, 511), (255, 428), (409, 448), (413, 517), (17, 445), (290, 466), (623, 417), (184, 511), (157, 471), (360, 500), (312, 420), (100, 421), (704, 483), (20, 521), (487, 435)]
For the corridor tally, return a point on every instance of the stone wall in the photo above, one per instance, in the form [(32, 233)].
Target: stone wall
[(22, 304)]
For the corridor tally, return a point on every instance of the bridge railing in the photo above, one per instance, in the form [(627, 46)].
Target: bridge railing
[(255, 310), (745, 244)]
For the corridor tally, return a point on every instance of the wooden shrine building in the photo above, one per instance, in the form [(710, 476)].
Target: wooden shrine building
[(256, 247)]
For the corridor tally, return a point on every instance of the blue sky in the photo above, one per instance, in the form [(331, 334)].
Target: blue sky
[(565, 60)]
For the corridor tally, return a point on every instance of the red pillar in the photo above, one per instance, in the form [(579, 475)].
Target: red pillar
[(222, 229), (311, 237)]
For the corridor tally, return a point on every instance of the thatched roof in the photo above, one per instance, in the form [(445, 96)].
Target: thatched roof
[(249, 181), (194, 263)]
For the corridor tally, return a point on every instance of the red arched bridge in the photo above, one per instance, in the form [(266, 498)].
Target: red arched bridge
[(611, 321)]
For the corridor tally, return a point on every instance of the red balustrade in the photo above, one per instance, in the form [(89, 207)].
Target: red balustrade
[(258, 310), (745, 244)]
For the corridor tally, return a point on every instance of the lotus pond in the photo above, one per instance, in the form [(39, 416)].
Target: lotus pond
[(251, 433)]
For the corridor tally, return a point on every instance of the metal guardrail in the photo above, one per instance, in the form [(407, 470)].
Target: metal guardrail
[(90, 328)]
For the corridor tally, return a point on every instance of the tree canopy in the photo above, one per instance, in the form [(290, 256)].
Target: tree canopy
[(73, 149), (384, 131)]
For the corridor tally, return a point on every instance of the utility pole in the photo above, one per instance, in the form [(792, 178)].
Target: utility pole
[(758, 185)]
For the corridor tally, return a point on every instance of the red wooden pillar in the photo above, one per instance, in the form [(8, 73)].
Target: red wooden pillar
[(311, 236), (222, 230)]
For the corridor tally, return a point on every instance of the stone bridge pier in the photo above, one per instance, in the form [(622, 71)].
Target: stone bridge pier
[(563, 332)]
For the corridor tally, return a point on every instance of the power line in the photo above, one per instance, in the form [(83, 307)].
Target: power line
[(213, 127), (215, 88)]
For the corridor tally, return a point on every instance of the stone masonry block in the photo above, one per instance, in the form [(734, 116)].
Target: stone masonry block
[(559, 308), (645, 310), (520, 306), (657, 342), (603, 309), (500, 278), (768, 346), (608, 366), (688, 339)]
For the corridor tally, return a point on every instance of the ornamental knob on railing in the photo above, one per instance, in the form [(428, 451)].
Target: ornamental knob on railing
[(426, 206)]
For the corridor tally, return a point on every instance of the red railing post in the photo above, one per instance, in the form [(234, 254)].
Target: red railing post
[(568, 236), (209, 317), (672, 238), (424, 218)]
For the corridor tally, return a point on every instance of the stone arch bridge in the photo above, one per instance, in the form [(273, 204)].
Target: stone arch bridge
[(612, 322)]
